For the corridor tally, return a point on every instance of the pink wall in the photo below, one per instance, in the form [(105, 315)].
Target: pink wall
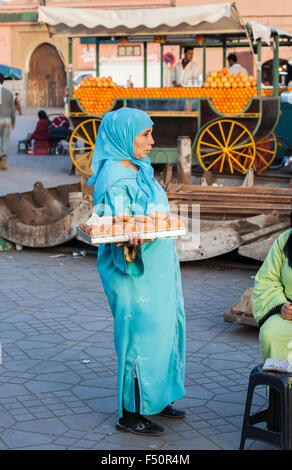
[(5, 45), (109, 53), (262, 8)]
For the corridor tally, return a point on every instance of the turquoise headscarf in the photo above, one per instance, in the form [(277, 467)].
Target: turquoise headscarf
[(115, 141)]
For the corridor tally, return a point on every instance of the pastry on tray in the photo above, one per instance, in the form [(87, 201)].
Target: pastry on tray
[(125, 224)]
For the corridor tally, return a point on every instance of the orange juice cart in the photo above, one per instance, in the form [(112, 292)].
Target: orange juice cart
[(230, 119)]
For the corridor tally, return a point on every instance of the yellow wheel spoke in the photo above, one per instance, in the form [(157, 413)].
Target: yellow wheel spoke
[(211, 145), (82, 140), (265, 150), (262, 158), (215, 139), (248, 154), (251, 144), (88, 163), (239, 137), (242, 154), (265, 156), (81, 148), (230, 133), (94, 130), (229, 161), (267, 141), (210, 153), (82, 158), (237, 162), (86, 133), (232, 147), (213, 163), (222, 133), (222, 163), (80, 153)]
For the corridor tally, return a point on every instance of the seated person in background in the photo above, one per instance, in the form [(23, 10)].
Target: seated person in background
[(272, 307), (59, 130), (234, 67), (41, 132)]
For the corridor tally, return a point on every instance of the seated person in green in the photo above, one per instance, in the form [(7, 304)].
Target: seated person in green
[(272, 300)]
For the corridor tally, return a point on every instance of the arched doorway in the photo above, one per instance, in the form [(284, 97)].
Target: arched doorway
[(46, 78), (285, 72)]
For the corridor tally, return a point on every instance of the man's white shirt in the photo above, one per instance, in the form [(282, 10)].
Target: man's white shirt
[(187, 75), (236, 68)]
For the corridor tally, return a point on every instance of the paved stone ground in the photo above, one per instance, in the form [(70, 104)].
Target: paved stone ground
[(24, 170), (58, 364), (58, 371)]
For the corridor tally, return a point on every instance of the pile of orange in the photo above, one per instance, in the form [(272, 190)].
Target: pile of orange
[(97, 95), (227, 80), (90, 94), (102, 82), (230, 93)]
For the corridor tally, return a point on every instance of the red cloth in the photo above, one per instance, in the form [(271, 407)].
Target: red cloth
[(41, 131), (60, 121)]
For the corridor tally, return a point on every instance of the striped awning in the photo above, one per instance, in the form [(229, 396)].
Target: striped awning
[(10, 73)]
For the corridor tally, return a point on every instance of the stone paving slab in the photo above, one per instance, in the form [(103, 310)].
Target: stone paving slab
[(58, 370)]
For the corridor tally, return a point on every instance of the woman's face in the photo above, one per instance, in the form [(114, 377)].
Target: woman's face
[(143, 143)]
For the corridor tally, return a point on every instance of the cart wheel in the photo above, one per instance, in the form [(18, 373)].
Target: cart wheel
[(266, 151), (284, 151), (81, 144), (222, 147)]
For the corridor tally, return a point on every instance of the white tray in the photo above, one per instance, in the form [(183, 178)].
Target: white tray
[(97, 240)]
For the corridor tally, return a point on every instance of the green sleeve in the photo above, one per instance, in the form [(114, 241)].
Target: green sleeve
[(268, 293)]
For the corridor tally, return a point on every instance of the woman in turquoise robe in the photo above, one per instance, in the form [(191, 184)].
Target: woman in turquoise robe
[(272, 297), (145, 295)]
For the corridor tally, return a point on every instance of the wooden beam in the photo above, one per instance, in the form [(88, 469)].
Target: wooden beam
[(184, 164), (196, 196), (229, 189)]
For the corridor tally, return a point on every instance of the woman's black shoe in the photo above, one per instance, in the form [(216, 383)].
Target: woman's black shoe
[(171, 412), (142, 426)]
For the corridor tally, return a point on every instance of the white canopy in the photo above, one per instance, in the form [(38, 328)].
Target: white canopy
[(222, 18), (264, 32)]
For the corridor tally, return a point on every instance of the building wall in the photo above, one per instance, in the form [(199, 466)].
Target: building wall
[(263, 11), (5, 42), (24, 39), (121, 68), (18, 41)]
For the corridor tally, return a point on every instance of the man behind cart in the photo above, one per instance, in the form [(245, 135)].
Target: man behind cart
[(234, 67), (187, 73)]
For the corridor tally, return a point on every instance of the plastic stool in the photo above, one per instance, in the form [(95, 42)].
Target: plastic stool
[(278, 416)]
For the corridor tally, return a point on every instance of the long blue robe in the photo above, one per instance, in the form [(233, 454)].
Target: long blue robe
[(146, 302)]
